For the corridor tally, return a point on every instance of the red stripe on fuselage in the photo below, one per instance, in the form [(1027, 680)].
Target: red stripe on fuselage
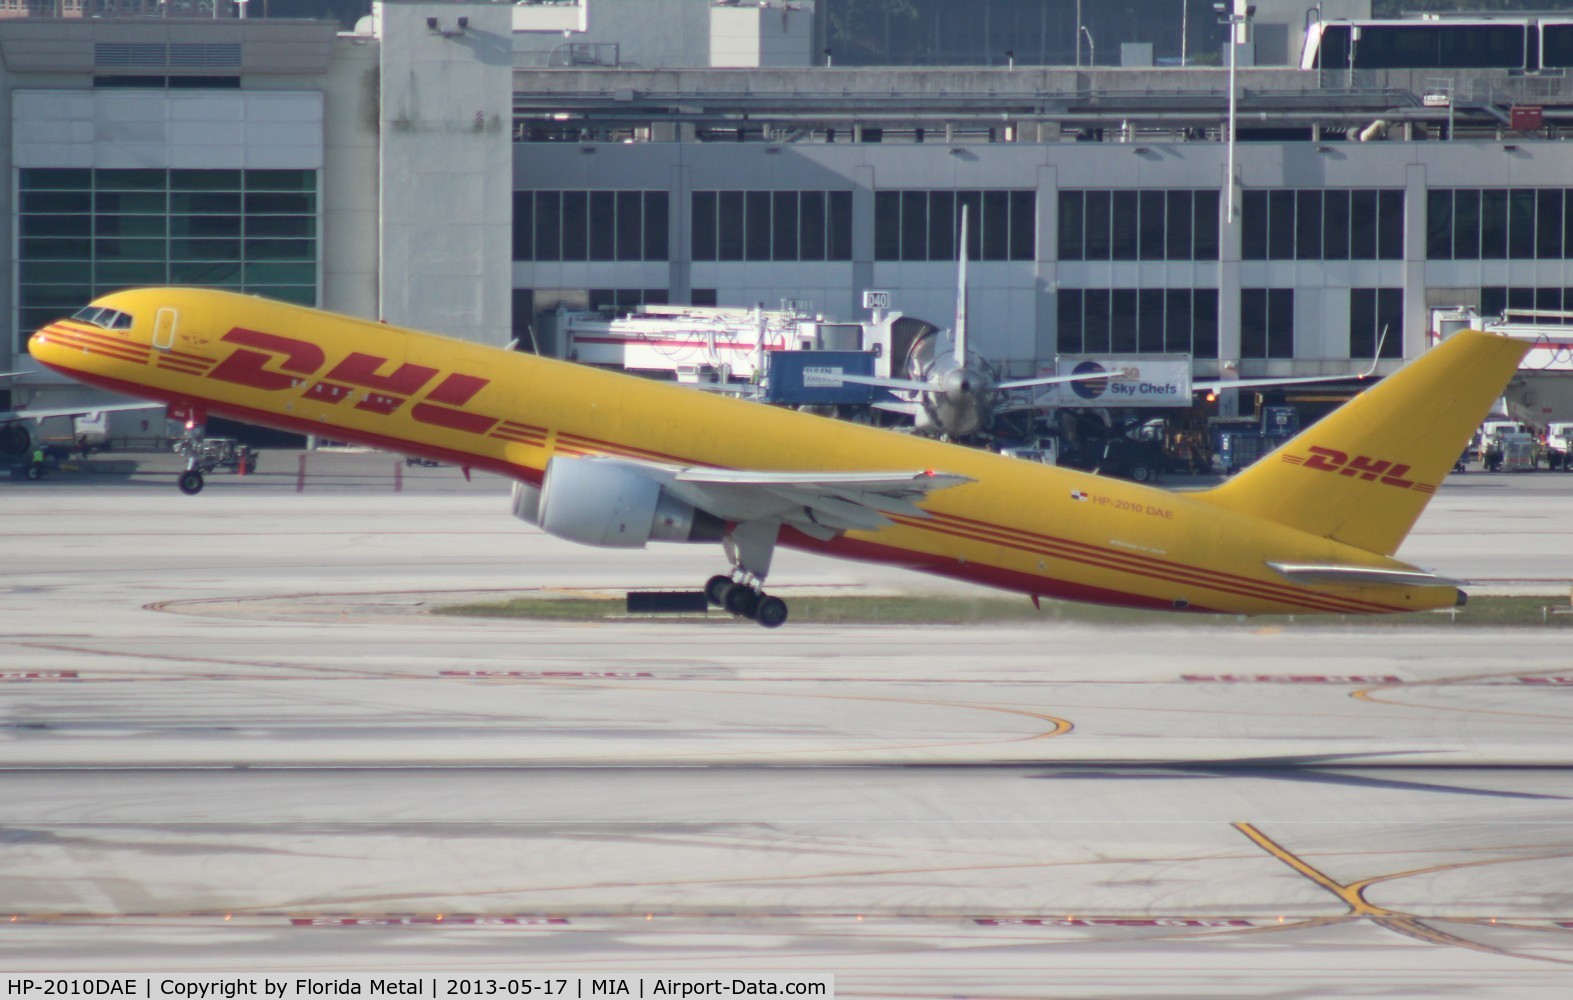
[(853, 548), (98, 345), (1122, 563), (1147, 565)]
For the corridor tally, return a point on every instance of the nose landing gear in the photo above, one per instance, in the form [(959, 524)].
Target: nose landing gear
[(189, 447)]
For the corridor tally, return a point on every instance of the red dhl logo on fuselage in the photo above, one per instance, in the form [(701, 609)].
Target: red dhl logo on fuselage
[(275, 363), (1366, 468)]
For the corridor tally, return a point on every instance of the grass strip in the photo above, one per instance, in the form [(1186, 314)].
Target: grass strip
[(1495, 611)]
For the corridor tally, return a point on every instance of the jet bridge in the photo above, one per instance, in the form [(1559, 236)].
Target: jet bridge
[(728, 346)]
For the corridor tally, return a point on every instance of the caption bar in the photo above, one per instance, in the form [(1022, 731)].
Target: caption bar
[(447, 986)]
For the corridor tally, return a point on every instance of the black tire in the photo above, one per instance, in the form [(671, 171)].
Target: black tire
[(190, 482), (14, 440), (1141, 473), (34, 471), (715, 589), (740, 600), (771, 613)]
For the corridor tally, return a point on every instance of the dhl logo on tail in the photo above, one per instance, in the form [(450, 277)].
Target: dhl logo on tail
[(1382, 470)]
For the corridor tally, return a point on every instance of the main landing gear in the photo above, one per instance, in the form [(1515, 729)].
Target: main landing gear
[(746, 600), (749, 547)]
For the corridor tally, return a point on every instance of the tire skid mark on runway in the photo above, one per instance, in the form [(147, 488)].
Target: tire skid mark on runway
[(1353, 895), (1057, 726), (1373, 694), (331, 673)]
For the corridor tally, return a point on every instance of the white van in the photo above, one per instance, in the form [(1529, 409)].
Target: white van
[(1559, 446)]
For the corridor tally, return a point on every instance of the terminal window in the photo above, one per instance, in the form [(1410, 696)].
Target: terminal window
[(1138, 225), (82, 233), (1371, 311), (771, 225), (1267, 322), (1499, 224), (926, 225), (1496, 300), (622, 301), (1138, 321), (590, 225), (1322, 224)]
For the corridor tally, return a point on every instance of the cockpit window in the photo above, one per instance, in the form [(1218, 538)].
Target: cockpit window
[(109, 319)]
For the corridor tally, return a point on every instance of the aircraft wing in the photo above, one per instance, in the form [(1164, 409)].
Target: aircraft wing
[(908, 384), (1252, 383), (45, 412), (1355, 575), (821, 504), (1028, 383), (1219, 385), (743, 389)]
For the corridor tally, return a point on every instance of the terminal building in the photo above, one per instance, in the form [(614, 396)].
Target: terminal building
[(469, 168)]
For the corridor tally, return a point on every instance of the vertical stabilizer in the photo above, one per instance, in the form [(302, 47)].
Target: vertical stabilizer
[(1363, 474), (958, 333)]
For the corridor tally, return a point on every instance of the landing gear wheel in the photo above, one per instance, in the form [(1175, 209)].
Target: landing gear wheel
[(14, 440), (771, 613), (190, 482), (715, 589), (740, 600)]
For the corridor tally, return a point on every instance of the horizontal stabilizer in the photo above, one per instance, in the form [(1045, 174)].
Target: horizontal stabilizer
[(1309, 573)]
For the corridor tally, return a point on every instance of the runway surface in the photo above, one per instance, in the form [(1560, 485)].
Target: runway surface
[(231, 739)]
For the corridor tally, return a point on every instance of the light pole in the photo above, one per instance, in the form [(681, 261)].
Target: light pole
[(1092, 50), (1079, 30), (1233, 18)]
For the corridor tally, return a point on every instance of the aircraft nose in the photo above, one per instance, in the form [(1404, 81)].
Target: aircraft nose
[(45, 347), (39, 340)]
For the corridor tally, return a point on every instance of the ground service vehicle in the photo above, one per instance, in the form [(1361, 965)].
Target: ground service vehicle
[(1238, 445), (1559, 446), (222, 454)]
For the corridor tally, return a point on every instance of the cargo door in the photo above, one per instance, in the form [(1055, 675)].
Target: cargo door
[(164, 324)]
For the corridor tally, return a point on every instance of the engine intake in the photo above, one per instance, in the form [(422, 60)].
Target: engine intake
[(601, 502)]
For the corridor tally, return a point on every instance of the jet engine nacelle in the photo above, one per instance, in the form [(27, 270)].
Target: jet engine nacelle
[(599, 502)]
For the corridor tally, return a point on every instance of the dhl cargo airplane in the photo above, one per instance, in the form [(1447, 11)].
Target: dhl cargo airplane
[(609, 459)]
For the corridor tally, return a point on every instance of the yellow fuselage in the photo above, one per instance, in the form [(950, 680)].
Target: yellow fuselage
[(1022, 526)]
